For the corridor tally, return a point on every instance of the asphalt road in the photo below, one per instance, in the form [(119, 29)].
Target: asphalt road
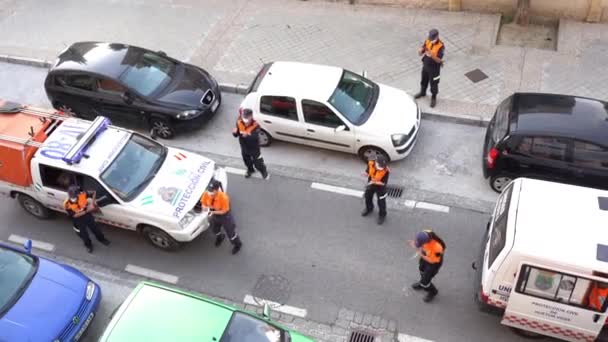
[(326, 256)]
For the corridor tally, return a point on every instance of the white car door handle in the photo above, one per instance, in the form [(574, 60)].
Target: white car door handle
[(268, 121), (310, 130)]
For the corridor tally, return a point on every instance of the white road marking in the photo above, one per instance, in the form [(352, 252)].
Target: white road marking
[(408, 338), (337, 189), (432, 206), (286, 309), (145, 272), (410, 204), (49, 247), (234, 171)]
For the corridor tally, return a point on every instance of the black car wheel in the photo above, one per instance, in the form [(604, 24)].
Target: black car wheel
[(500, 181), (367, 153), (159, 238), (33, 207), (163, 128), (265, 138)]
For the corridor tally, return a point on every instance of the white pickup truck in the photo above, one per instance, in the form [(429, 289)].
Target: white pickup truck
[(141, 184)]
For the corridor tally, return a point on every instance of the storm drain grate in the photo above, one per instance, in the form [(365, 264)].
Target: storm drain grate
[(358, 336), (394, 191)]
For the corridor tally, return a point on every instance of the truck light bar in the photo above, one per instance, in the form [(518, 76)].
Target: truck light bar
[(75, 154)]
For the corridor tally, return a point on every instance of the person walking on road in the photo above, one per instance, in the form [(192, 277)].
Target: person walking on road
[(80, 210), (430, 249), (248, 130), (218, 203), (432, 51), (377, 172)]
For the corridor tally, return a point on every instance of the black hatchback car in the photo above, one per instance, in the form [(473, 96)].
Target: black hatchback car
[(132, 85), (546, 136)]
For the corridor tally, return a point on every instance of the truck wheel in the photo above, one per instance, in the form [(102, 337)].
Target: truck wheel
[(159, 239), (33, 207), (528, 334)]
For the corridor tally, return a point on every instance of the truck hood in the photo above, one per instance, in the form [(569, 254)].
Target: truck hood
[(178, 185), (395, 113)]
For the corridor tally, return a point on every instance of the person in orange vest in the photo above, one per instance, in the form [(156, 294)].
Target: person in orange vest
[(218, 203), (432, 51), (80, 210), (598, 296), (248, 130), (377, 172), (430, 249)]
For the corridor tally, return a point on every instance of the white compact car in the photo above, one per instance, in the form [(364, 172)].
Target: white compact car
[(333, 108)]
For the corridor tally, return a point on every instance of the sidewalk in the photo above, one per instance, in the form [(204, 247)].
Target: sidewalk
[(233, 38)]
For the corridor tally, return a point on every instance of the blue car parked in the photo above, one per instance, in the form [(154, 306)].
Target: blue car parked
[(41, 300)]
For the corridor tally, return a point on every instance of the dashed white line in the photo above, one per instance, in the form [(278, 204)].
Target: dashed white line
[(286, 309), (432, 206), (337, 189), (408, 338), (234, 171), (148, 273), (49, 247), (410, 204)]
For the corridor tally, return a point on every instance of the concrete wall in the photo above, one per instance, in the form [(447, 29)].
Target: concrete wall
[(574, 9)]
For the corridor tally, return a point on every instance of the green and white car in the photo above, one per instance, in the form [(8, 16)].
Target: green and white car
[(157, 313)]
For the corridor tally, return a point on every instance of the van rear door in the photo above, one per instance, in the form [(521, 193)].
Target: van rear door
[(555, 303)]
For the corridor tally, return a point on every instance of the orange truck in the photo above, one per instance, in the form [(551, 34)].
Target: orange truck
[(141, 185)]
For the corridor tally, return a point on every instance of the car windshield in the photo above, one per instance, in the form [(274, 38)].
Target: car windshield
[(354, 97), (243, 327), (148, 73), (134, 167), (16, 270)]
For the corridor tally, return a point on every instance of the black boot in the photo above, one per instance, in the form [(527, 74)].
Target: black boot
[(248, 173), (105, 242), (219, 239), (417, 286), (236, 245), (431, 293), (381, 219), (366, 212), (433, 101), (419, 95)]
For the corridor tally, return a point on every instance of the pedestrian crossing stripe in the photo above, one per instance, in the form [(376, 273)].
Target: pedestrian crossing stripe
[(147, 200)]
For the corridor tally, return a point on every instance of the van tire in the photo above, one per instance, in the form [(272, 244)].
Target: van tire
[(528, 334), (33, 207), (500, 181), (159, 238)]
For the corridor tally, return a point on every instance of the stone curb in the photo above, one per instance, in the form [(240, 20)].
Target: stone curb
[(241, 89)]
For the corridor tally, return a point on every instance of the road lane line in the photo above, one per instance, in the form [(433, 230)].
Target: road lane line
[(148, 273), (337, 189), (432, 206), (408, 338), (286, 309), (410, 204), (234, 171), (49, 247)]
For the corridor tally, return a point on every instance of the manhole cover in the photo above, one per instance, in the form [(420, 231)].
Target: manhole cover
[(359, 336), (394, 191), (274, 288), (476, 75)]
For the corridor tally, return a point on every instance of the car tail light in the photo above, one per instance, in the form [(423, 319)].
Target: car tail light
[(492, 156)]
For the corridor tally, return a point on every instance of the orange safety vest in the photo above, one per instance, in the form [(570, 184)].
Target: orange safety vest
[(433, 48), (242, 128), (79, 205), (374, 174), (433, 250), (219, 202), (598, 297)]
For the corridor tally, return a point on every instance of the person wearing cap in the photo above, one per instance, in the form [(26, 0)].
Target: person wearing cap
[(377, 173), (80, 210), (432, 51), (217, 202), (248, 131), (430, 248)]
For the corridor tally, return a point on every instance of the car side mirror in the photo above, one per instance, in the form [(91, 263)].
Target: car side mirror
[(266, 311), (364, 73), (27, 246), (126, 96), (340, 128)]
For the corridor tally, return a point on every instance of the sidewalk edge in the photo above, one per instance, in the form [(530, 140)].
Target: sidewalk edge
[(40, 63)]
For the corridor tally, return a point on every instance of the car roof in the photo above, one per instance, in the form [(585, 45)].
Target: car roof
[(295, 79), (108, 59), (561, 115), (560, 223), (101, 152), (153, 312)]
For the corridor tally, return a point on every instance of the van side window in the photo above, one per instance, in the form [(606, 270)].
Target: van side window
[(281, 106), (590, 156), (58, 179), (553, 148), (103, 196), (559, 287), (498, 236)]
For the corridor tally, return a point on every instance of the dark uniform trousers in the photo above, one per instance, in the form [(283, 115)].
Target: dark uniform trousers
[(380, 192), (83, 224), (226, 221), (256, 160), (427, 272), (430, 74)]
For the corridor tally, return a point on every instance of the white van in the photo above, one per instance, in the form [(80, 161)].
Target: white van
[(544, 256)]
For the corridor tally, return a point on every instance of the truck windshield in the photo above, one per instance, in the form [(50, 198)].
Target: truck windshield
[(134, 167)]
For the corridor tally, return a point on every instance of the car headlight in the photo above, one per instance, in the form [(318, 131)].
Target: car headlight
[(187, 114), (187, 219), (399, 139), (90, 290)]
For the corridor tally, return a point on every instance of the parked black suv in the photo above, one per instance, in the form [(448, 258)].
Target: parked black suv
[(553, 137), (132, 85)]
